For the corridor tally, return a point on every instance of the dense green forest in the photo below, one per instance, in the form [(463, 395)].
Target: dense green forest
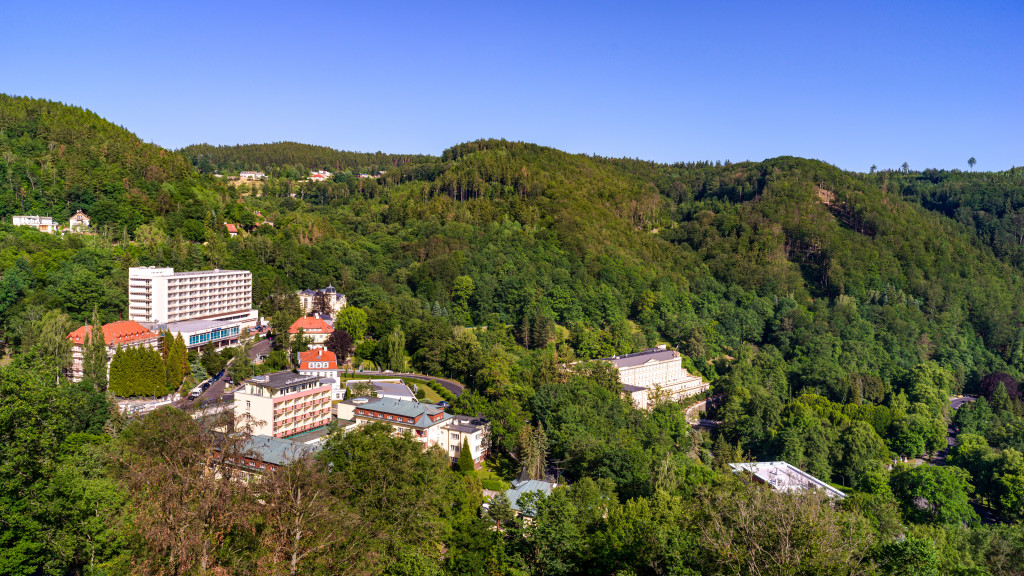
[(835, 312)]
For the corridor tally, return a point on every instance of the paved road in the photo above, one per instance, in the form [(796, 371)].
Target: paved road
[(450, 385), (955, 402), (261, 348)]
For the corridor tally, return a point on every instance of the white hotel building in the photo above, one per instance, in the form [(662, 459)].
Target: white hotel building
[(656, 374), (203, 306)]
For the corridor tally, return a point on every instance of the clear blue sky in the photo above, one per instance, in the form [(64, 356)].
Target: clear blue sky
[(928, 83)]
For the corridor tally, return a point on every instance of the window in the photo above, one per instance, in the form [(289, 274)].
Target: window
[(247, 404)]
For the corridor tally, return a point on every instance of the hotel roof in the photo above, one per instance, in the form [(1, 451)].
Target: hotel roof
[(784, 477), (639, 358), (282, 379), (120, 332), (310, 325)]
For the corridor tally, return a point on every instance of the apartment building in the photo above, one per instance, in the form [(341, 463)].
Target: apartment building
[(41, 223), (203, 306), (284, 404), (427, 423), (124, 334), (163, 295), (656, 374)]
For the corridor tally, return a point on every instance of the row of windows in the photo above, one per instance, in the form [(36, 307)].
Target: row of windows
[(210, 336)]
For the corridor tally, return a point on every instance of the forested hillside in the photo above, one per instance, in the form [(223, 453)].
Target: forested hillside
[(835, 312)]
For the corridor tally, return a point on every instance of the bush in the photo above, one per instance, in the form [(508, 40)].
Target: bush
[(495, 484), (420, 394)]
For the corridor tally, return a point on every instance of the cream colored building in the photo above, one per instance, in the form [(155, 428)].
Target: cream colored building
[(79, 222), (656, 374), (284, 404), (120, 334), (427, 423), (163, 295), (41, 223), (335, 300)]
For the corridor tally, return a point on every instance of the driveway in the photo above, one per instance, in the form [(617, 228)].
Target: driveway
[(450, 385)]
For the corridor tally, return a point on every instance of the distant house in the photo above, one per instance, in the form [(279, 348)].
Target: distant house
[(249, 175), (656, 373), (313, 328), (320, 176), (335, 300), (41, 223), (427, 423), (79, 222), (123, 334), (784, 477), (524, 485), (232, 229), (320, 362)]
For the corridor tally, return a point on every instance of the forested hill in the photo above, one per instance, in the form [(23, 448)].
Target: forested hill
[(56, 159), (834, 312), (293, 159)]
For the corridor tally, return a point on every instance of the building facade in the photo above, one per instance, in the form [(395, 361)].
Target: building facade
[(284, 404), (335, 300), (79, 222), (206, 306), (321, 363), (250, 175), (163, 295), (427, 423), (41, 223), (123, 334), (316, 329), (656, 374)]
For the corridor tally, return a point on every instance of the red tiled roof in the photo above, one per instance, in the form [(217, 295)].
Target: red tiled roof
[(318, 355), (311, 325), (120, 332), (231, 228)]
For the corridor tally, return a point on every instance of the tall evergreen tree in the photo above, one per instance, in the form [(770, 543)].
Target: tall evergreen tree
[(94, 356)]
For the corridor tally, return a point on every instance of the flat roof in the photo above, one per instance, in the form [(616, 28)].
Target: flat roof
[(638, 358), (785, 477), (277, 451), (282, 379)]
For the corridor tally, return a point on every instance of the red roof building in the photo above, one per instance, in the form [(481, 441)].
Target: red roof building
[(232, 229), (313, 328), (322, 363), (123, 333)]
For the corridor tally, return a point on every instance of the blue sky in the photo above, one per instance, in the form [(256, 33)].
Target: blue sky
[(927, 83)]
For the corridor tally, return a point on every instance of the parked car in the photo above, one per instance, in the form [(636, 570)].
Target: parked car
[(444, 404)]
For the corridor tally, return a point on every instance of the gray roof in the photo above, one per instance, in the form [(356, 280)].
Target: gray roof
[(784, 477), (418, 411), (631, 388), (191, 325), (282, 379), (638, 358), (520, 487), (277, 451)]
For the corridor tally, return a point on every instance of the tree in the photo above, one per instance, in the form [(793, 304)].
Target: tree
[(971, 162), (321, 303), (353, 321), (393, 486), (53, 342), (873, 168), (340, 343), (910, 556), (395, 350), (906, 168), (935, 494), (94, 355), (466, 464)]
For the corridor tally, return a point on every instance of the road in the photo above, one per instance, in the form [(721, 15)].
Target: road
[(450, 385), (954, 402), (261, 348)]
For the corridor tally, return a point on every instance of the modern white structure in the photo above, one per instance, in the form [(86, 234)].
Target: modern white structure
[(426, 423), (656, 374), (284, 404), (203, 306), (250, 175), (41, 223), (784, 477), (163, 295)]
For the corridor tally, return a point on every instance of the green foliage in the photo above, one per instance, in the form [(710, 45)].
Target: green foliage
[(353, 321), (937, 494)]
